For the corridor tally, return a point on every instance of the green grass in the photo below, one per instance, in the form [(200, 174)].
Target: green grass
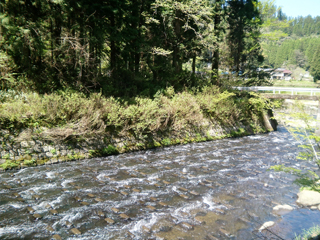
[(309, 233), (292, 83)]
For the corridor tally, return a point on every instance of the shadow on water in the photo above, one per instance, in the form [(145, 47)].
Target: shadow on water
[(210, 190)]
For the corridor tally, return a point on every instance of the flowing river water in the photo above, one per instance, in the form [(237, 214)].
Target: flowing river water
[(212, 190)]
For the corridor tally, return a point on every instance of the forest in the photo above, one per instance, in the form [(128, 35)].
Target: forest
[(140, 47), (291, 42), (126, 48)]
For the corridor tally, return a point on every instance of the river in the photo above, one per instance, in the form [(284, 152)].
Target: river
[(211, 190)]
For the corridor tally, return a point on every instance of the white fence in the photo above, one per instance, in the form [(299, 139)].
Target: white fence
[(293, 91)]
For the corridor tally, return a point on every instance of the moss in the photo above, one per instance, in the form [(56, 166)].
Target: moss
[(9, 164), (239, 133), (156, 144), (29, 162), (166, 142)]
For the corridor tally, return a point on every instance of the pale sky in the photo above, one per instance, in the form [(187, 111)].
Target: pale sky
[(295, 8)]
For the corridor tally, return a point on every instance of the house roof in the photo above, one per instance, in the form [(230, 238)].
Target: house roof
[(287, 71)]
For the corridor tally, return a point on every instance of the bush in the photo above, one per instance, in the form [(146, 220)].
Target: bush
[(68, 115)]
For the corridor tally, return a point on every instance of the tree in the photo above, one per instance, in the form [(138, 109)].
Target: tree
[(315, 64)]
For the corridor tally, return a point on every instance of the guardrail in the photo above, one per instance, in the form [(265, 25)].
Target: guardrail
[(312, 91)]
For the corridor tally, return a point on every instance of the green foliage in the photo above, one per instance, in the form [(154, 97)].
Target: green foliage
[(309, 234), (73, 116), (125, 48), (299, 125), (29, 162), (9, 164)]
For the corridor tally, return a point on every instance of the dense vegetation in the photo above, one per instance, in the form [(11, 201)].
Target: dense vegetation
[(291, 43), (73, 116), (125, 48)]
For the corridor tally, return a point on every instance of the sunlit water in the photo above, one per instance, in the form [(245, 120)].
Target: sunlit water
[(212, 190)]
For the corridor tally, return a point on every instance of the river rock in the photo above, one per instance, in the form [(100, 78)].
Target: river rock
[(308, 198), (75, 231), (183, 189), (36, 197), (78, 199), (194, 193), (53, 212), (85, 203), (184, 196), (146, 229), (153, 199), (48, 206), (136, 190), (282, 209), (199, 220), (124, 216), (109, 220), (37, 216), (115, 210), (151, 208), (91, 195), (56, 237), (211, 237), (124, 193), (100, 214), (16, 195), (98, 200), (30, 210), (50, 229), (266, 225), (221, 211), (163, 204), (68, 224), (186, 226)]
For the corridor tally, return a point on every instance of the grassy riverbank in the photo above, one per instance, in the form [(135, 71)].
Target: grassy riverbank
[(73, 117)]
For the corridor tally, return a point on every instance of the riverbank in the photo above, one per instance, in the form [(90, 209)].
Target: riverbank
[(46, 129)]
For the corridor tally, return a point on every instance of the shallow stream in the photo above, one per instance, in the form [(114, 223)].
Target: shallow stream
[(212, 190)]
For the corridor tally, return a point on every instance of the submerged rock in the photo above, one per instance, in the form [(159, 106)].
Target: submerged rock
[(163, 204), (146, 229), (56, 237), (109, 220), (30, 210), (75, 231), (53, 212), (266, 225), (187, 226), (68, 224), (151, 208), (50, 229), (136, 190), (101, 214), (308, 198), (282, 209), (37, 216), (124, 216), (115, 210)]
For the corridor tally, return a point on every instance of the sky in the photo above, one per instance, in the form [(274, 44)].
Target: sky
[(295, 8)]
